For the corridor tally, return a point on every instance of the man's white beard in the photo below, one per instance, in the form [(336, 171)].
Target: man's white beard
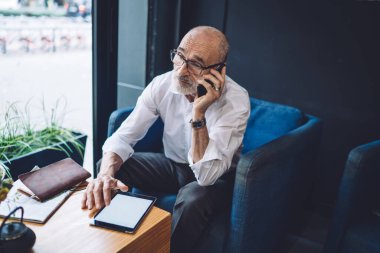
[(185, 90)]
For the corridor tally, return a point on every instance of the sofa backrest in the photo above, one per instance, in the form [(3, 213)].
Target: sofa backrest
[(268, 121), (152, 141)]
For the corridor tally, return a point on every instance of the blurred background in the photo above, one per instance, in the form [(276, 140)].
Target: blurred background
[(45, 56)]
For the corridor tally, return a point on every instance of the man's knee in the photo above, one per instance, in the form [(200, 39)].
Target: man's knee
[(192, 196)]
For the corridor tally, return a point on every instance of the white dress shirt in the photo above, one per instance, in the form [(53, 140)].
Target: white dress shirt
[(226, 123)]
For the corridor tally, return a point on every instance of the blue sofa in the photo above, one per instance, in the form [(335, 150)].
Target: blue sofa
[(354, 227), (272, 179)]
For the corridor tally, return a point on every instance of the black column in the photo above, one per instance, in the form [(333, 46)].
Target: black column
[(105, 37), (163, 31)]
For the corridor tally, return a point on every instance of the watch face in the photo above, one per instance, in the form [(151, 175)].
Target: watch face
[(199, 123)]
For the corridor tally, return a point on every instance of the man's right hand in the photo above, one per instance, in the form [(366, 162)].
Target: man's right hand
[(99, 191)]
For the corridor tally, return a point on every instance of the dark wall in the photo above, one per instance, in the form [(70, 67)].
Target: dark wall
[(321, 56), (206, 12)]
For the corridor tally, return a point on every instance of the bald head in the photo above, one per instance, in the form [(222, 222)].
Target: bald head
[(214, 38)]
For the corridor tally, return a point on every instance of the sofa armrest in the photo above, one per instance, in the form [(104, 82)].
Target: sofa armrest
[(271, 183), (358, 192)]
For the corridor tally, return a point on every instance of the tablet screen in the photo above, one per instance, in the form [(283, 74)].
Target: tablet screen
[(124, 212)]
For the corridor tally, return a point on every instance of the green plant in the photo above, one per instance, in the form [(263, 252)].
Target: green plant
[(19, 136), (5, 182)]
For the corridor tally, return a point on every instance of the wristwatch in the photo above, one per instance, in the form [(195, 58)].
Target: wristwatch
[(198, 123)]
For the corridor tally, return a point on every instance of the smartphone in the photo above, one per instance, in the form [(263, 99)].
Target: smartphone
[(201, 90)]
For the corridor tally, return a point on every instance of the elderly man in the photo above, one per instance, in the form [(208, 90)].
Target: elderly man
[(202, 133)]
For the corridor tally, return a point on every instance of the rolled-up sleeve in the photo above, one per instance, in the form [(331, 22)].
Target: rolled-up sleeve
[(225, 137), (134, 127)]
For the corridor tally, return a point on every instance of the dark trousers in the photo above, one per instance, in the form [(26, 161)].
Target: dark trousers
[(195, 205)]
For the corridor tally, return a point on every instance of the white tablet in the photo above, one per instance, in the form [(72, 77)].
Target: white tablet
[(125, 212)]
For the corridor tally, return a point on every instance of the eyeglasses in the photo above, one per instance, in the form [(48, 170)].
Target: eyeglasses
[(194, 67)]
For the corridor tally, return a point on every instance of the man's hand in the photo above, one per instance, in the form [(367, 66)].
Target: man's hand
[(99, 191), (213, 92)]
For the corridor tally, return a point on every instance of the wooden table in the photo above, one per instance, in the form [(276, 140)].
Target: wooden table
[(68, 230)]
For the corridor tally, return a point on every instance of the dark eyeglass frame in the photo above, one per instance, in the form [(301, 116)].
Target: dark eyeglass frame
[(174, 52)]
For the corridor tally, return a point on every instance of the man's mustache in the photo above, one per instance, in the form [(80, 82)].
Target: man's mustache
[(185, 79)]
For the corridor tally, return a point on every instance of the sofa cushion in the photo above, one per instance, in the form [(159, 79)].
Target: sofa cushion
[(269, 121)]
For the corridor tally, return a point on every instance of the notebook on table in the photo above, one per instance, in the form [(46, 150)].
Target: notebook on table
[(53, 179)]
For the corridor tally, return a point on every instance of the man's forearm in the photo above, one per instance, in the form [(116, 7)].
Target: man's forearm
[(111, 163), (200, 138), (200, 141)]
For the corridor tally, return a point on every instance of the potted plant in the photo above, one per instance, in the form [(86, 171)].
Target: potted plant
[(24, 144)]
